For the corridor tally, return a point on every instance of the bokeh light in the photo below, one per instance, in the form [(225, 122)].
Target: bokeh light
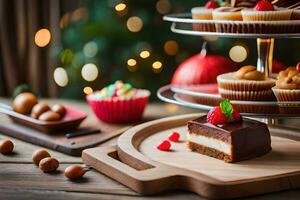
[(171, 47), (131, 62), (210, 38), (87, 90), (61, 77), (157, 67), (144, 54), (42, 37), (90, 49), (238, 53), (134, 24), (89, 72), (163, 6), (120, 7)]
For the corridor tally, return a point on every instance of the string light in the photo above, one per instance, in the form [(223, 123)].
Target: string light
[(120, 7), (171, 47), (61, 77), (144, 54), (87, 90), (89, 72), (131, 62), (211, 38), (134, 24), (157, 67), (163, 6), (238, 53), (42, 37)]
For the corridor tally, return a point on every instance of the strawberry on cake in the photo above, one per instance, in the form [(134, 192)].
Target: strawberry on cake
[(224, 135)]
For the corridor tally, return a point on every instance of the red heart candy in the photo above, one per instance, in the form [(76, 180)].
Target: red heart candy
[(164, 145), (174, 136)]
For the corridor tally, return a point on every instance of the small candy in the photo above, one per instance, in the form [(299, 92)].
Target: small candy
[(164, 146), (174, 136)]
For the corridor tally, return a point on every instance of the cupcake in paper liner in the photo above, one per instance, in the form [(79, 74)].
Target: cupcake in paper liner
[(292, 5), (119, 103), (204, 13), (287, 90), (246, 84), (265, 11), (228, 13), (246, 78)]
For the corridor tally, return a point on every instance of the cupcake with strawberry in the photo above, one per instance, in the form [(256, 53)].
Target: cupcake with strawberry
[(266, 11), (119, 103), (204, 13)]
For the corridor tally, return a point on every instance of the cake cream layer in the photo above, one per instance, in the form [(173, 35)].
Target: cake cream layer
[(210, 142)]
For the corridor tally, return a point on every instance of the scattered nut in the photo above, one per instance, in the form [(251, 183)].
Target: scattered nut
[(48, 164), (74, 172), (6, 146), (38, 155), (39, 109), (24, 103), (49, 116), (60, 109)]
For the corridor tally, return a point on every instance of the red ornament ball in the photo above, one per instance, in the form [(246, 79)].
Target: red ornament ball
[(202, 69)]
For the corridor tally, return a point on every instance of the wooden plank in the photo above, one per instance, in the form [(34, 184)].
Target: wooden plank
[(60, 195), (28, 176), (23, 152)]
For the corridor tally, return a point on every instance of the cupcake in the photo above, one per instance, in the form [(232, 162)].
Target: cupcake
[(287, 90), (204, 13), (265, 11), (246, 84), (118, 103), (228, 13), (288, 85)]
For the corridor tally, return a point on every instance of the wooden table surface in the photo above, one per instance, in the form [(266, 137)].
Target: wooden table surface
[(20, 179)]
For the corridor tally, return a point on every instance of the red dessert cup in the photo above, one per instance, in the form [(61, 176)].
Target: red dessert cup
[(116, 110)]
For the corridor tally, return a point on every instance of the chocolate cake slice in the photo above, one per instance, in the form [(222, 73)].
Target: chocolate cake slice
[(231, 142)]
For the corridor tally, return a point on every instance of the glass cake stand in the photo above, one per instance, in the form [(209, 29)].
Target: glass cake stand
[(183, 24)]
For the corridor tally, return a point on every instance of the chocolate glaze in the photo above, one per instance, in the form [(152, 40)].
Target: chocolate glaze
[(246, 137)]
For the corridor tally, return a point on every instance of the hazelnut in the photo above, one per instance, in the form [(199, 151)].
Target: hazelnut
[(60, 109), (24, 103), (74, 172), (38, 155), (48, 164), (6, 146), (39, 109), (49, 116)]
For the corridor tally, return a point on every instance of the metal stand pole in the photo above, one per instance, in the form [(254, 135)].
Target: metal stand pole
[(265, 49)]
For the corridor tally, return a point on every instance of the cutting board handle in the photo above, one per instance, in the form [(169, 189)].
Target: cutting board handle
[(104, 159)]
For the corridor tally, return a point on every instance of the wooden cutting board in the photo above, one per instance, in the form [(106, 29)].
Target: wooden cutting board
[(58, 141), (136, 163)]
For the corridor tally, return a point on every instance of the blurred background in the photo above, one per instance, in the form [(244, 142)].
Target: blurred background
[(69, 48)]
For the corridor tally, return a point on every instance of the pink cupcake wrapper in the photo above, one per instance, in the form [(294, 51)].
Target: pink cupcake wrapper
[(118, 110)]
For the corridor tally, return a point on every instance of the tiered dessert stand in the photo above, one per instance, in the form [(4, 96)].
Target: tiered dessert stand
[(183, 24)]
